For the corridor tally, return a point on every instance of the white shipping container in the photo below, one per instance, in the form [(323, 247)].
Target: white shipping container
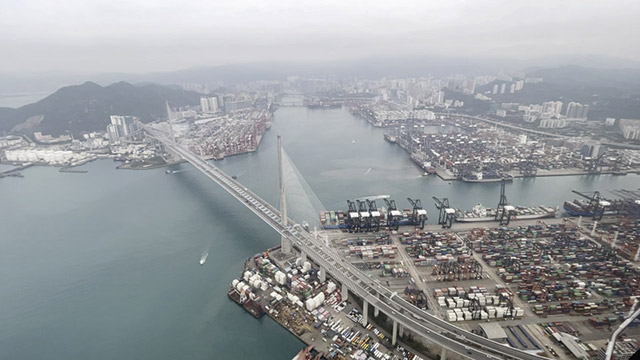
[(310, 304), (331, 287)]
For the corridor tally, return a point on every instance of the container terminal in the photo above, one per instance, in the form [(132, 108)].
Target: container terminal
[(364, 215), (557, 286), (457, 147), (552, 287)]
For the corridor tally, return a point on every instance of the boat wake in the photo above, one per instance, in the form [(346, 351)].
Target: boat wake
[(368, 171), (203, 257)]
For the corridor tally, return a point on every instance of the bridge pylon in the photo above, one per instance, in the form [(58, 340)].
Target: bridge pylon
[(285, 245)]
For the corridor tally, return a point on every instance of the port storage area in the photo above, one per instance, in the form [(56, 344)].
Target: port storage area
[(289, 290), (518, 278), (541, 287)]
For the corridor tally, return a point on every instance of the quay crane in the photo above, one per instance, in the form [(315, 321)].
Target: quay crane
[(419, 214), (597, 204), (393, 215), (504, 211), (353, 217), (375, 214), (365, 217), (529, 166), (593, 165), (447, 214)]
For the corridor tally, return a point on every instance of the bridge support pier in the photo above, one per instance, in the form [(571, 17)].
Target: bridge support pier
[(345, 292), (401, 330), (365, 312), (394, 334), (322, 274), (443, 353), (376, 310), (303, 255)]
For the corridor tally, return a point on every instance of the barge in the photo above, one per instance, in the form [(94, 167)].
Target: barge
[(251, 305)]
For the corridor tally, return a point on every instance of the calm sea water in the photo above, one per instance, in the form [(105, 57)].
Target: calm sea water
[(21, 99), (105, 265)]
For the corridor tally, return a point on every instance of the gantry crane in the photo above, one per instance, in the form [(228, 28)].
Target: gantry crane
[(419, 215), (447, 214), (504, 211), (375, 214), (597, 204), (353, 217), (365, 217), (529, 167), (393, 215), (593, 165)]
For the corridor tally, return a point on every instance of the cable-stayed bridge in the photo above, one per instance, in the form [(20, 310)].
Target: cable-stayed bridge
[(403, 314)]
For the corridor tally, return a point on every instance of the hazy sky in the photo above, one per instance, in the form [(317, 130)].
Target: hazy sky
[(153, 35)]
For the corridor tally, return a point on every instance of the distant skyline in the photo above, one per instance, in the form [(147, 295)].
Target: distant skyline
[(163, 35)]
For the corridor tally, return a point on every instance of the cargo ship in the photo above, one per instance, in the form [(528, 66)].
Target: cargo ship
[(483, 177), (240, 294), (337, 219), (479, 213), (390, 138), (584, 208), (424, 165)]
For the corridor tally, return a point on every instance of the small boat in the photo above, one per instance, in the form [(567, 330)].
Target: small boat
[(234, 177), (353, 141), (203, 258), (169, 172)]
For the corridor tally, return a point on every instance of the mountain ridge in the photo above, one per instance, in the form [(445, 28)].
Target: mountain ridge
[(86, 107)]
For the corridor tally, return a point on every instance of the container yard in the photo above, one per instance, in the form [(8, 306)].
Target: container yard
[(508, 282), (515, 275), (463, 148), (216, 137), (291, 293)]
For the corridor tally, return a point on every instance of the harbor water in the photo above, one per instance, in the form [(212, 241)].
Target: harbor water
[(106, 265)]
